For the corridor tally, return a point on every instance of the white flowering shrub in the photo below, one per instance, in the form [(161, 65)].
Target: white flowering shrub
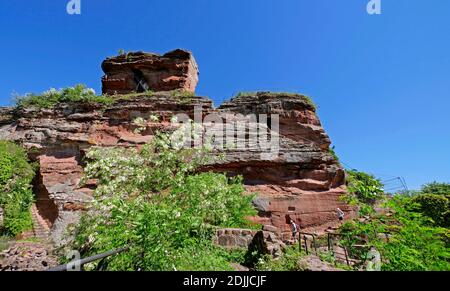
[(156, 202)]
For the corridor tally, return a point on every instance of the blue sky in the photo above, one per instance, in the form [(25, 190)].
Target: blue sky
[(382, 83)]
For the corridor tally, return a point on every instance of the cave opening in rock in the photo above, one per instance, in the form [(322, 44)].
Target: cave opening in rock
[(46, 207), (139, 79)]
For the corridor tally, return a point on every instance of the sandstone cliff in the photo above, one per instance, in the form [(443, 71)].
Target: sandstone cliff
[(302, 182), (139, 71)]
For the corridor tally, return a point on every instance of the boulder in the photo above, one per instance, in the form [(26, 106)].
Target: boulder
[(140, 72)]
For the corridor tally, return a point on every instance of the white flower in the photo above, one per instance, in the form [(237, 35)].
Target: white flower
[(89, 91)]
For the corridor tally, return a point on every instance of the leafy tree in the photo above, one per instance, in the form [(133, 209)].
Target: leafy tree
[(437, 207), (365, 187), (16, 197), (363, 191), (436, 189)]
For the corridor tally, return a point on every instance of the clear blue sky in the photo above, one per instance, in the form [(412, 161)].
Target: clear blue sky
[(382, 83)]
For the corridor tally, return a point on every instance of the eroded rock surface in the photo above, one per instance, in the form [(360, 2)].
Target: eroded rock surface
[(139, 72), (300, 180), (27, 256), (315, 264)]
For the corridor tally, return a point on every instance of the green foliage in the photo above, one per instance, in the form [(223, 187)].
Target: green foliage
[(437, 189), (16, 197), (413, 245), (435, 206), (48, 99), (364, 189), (154, 201), (289, 261)]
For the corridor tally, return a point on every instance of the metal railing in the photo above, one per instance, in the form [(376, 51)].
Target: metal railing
[(81, 262), (304, 235), (331, 246)]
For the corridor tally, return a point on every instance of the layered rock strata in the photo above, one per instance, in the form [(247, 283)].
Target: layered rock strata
[(297, 179), (139, 72)]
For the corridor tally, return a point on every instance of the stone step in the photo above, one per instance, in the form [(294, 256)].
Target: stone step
[(40, 227)]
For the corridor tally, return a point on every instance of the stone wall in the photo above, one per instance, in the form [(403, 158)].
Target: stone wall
[(234, 238), (264, 242)]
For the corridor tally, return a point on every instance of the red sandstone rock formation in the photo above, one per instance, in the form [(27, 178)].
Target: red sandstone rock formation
[(139, 72), (303, 182)]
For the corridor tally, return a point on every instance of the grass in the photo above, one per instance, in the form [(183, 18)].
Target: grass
[(52, 97), (78, 94)]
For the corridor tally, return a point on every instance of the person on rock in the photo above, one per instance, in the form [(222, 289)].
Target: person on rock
[(294, 229), (340, 214)]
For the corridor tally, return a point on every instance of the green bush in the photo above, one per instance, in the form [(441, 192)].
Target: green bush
[(16, 197), (48, 99), (154, 201), (364, 187), (436, 189), (435, 206), (413, 245)]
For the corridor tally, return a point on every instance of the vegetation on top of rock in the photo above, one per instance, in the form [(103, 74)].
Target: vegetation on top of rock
[(308, 100), (16, 197), (48, 99), (81, 94), (156, 203)]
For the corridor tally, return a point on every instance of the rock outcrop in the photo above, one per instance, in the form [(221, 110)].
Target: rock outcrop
[(139, 72), (315, 264), (231, 238), (302, 181), (27, 256)]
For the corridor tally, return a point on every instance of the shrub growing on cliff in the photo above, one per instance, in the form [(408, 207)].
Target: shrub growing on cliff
[(154, 201), (48, 99), (363, 191), (16, 197)]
